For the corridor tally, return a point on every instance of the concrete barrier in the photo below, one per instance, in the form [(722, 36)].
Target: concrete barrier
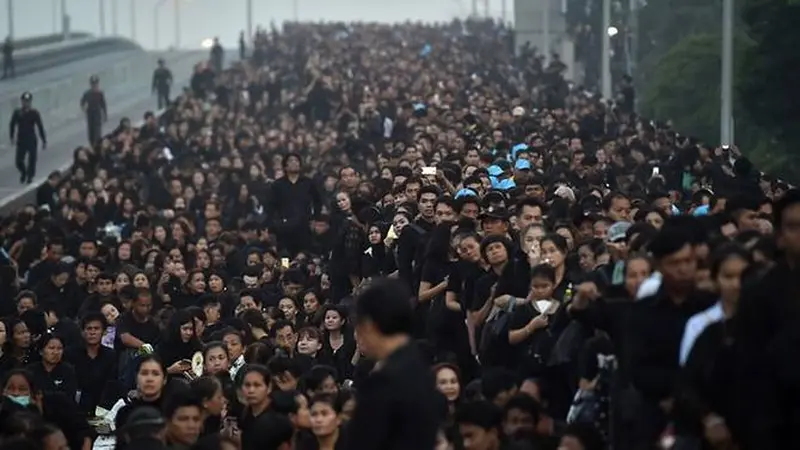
[(35, 41), (47, 56)]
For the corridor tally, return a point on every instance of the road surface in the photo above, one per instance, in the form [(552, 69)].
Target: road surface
[(67, 134)]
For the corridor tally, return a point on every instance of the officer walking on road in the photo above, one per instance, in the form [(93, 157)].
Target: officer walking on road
[(22, 129), (162, 81), (8, 58), (93, 104)]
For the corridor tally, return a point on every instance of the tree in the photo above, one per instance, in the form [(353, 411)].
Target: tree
[(768, 84), (684, 87)]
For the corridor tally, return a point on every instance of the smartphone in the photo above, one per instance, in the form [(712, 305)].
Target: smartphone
[(285, 263), (429, 170)]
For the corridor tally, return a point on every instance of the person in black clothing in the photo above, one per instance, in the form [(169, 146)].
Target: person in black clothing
[(293, 202), (52, 373), (162, 82), (242, 46), (766, 373), (398, 405), (656, 329), (25, 121), (54, 407), (143, 430), (95, 366), (8, 58), (93, 104), (217, 56)]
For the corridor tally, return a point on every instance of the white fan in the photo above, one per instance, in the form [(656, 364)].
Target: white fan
[(545, 306)]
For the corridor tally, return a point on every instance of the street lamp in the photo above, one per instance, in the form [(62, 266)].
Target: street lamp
[(10, 5), (155, 21), (605, 61), (726, 94)]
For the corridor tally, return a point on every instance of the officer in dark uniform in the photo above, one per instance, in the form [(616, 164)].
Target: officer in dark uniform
[(22, 129), (8, 58), (162, 81), (93, 104)]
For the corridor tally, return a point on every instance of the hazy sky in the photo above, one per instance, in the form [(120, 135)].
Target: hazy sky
[(201, 19)]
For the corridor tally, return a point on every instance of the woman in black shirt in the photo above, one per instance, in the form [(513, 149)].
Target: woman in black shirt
[(52, 373)]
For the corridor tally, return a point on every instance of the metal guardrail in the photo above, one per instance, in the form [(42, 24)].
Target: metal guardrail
[(51, 55), (36, 41)]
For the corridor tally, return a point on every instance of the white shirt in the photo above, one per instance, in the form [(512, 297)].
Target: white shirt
[(650, 286), (695, 327)]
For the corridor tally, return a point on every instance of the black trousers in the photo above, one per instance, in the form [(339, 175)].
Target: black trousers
[(29, 150), (8, 67), (95, 129), (163, 98)]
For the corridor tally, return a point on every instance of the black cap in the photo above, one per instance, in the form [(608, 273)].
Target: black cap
[(495, 212), (26, 96)]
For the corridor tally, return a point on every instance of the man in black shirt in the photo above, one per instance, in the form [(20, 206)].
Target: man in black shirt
[(24, 123), (95, 366), (162, 81), (293, 202), (93, 104), (398, 405)]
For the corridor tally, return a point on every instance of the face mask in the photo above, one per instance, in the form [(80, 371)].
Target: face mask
[(21, 400)]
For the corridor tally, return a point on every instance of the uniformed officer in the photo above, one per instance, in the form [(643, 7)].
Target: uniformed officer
[(22, 129), (93, 104), (162, 81)]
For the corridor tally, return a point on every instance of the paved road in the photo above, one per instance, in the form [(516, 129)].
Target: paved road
[(66, 135)]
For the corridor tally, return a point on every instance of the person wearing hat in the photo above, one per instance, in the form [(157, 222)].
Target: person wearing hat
[(494, 221), (162, 82), (93, 104), (25, 121)]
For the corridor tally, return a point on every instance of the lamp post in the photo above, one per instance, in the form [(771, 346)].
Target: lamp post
[(10, 5), (726, 94), (605, 62), (156, 8), (114, 21), (546, 32), (249, 19), (133, 20), (177, 4), (102, 11)]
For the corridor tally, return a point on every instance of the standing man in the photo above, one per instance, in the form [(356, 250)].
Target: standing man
[(162, 82), (93, 104), (24, 121), (242, 46), (398, 405), (8, 58), (217, 56)]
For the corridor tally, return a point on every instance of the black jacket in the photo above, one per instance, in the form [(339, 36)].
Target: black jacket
[(398, 406)]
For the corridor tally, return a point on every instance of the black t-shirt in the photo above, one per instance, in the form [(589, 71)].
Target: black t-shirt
[(463, 276), (146, 332)]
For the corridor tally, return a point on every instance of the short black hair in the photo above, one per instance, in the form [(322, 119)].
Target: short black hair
[(181, 399), (525, 403), (386, 302), (496, 380), (93, 316), (481, 413), (789, 198)]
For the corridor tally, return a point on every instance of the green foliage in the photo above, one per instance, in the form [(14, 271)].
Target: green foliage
[(769, 86), (680, 76)]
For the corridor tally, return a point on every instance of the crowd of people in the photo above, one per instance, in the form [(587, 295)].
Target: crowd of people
[(400, 237)]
